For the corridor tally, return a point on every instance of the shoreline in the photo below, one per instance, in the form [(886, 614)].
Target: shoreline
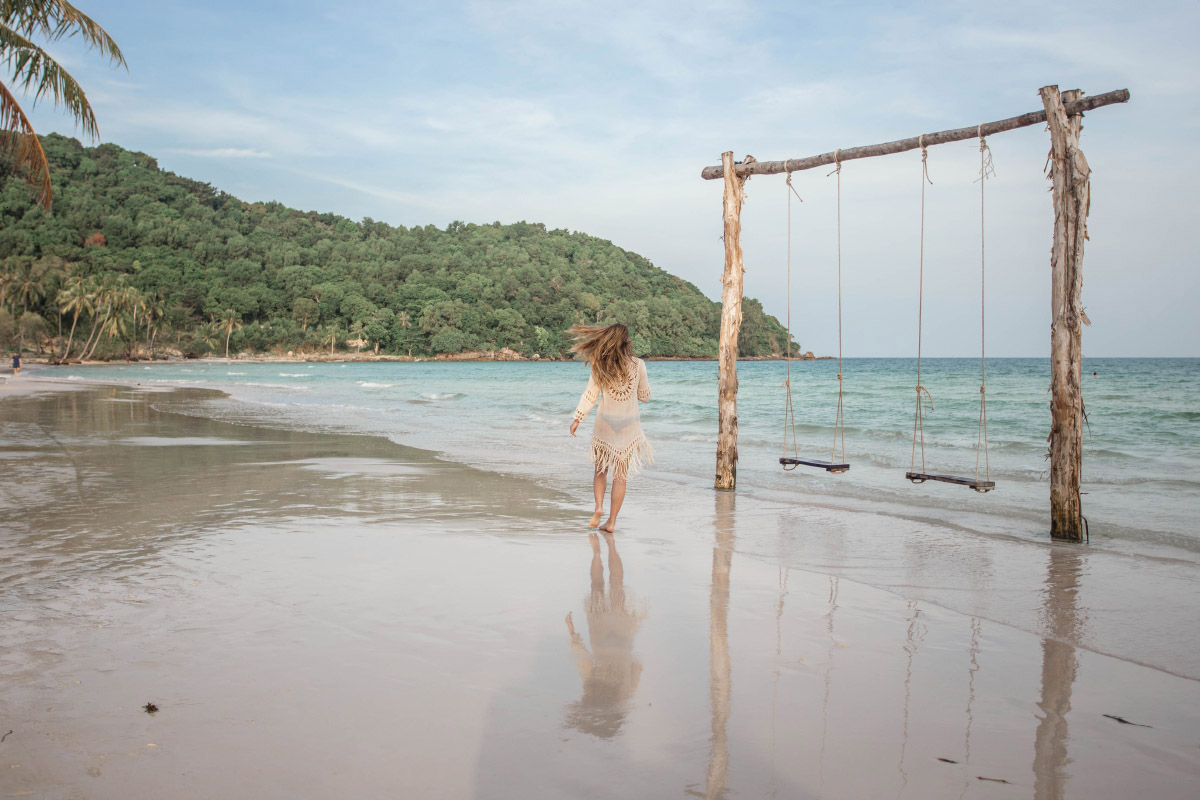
[(352, 358), (372, 358)]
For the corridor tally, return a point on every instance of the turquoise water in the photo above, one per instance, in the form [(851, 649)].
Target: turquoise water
[(1141, 462)]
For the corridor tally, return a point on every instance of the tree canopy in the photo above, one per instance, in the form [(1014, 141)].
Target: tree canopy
[(133, 251)]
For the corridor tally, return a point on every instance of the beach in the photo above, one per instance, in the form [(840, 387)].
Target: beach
[(319, 610)]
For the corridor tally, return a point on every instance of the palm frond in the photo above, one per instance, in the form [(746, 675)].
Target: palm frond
[(19, 142), (55, 19), (11, 40), (36, 73)]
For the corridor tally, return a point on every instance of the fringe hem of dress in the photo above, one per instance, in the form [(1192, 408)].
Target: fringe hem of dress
[(624, 462)]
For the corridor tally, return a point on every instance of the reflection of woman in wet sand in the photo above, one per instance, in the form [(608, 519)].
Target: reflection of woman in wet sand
[(619, 382), (609, 671)]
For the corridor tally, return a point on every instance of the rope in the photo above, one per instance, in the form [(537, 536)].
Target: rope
[(986, 170), (919, 414), (839, 427), (789, 417)]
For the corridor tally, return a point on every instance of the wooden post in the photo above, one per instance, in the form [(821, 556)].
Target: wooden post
[(1069, 174), (731, 324)]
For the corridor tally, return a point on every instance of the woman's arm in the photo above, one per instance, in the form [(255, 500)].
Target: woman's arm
[(588, 399), (643, 382)]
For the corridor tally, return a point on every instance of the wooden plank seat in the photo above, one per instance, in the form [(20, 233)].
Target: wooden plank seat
[(812, 462), (977, 485)]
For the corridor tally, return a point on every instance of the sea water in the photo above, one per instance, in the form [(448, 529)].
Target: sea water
[(1141, 465)]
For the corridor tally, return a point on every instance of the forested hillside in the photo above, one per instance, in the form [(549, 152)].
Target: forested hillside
[(134, 257)]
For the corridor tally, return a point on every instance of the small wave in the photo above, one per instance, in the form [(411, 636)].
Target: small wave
[(293, 374), (236, 373), (436, 396), (373, 385), (291, 386)]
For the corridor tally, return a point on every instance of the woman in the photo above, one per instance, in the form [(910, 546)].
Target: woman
[(619, 382)]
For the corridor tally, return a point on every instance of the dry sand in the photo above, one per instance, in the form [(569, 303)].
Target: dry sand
[(318, 615)]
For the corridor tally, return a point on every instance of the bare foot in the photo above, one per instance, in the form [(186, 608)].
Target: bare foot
[(595, 520), (609, 526)]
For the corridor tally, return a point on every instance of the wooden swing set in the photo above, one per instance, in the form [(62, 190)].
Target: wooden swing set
[(1070, 176)]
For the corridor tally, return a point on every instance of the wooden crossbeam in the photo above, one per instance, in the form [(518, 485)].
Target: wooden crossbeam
[(912, 143)]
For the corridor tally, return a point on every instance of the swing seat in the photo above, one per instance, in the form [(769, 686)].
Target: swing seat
[(812, 462), (980, 486)]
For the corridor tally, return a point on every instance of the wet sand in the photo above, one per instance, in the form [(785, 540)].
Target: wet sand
[(318, 615)]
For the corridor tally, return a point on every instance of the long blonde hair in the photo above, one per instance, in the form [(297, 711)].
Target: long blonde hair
[(607, 348)]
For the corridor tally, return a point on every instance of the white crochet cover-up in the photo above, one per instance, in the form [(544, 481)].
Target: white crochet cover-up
[(618, 443)]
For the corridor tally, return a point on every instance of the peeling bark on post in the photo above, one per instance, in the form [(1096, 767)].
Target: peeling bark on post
[(1069, 173), (731, 324)]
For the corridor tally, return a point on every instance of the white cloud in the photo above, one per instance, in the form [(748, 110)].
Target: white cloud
[(221, 152)]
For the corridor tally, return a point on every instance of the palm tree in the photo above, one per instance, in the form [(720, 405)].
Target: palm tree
[(35, 73), (100, 301), (9, 272), (75, 298), (116, 326), (27, 291), (133, 301), (108, 298), (230, 325), (210, 334), (154, 313), (404, 321)]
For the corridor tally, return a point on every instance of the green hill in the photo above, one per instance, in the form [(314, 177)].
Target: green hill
[(137, 257)]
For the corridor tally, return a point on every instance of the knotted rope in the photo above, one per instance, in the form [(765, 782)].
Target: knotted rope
[(839, 427), (789, 417), (919, 415), (986, 170)]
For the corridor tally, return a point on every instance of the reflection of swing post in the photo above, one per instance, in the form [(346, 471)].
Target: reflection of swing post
[(731, 325), (720, 668), (1072, 195), (1058, 674)]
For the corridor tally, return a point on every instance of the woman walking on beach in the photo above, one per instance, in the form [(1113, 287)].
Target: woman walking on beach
[(619, 382)]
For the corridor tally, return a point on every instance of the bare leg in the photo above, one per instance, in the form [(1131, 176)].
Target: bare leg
[(618, 497), (599, 483)]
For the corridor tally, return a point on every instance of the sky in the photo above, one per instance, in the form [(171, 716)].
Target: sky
[(598, 117)]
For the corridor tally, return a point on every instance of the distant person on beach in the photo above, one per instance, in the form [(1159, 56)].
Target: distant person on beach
[(618, 381), (16, 364)]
